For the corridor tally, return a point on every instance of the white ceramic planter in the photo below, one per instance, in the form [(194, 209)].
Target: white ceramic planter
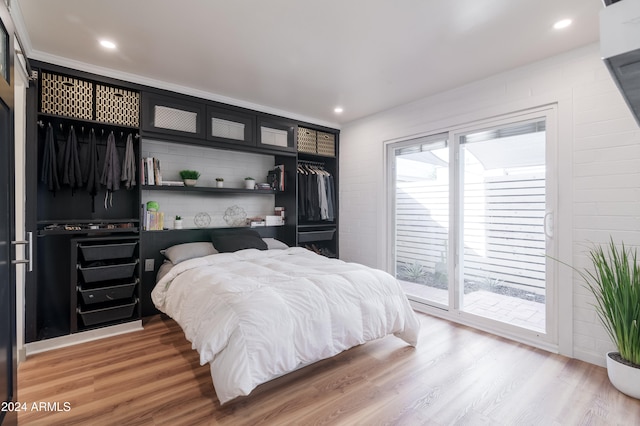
[(219, 184), (623, 377), (190, 182), (249, 184), (177, 224)]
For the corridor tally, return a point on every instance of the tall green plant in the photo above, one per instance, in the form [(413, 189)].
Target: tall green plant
[(615, 283)]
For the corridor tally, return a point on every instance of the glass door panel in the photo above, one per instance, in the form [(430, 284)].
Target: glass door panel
[(503, 242), (421, 196)]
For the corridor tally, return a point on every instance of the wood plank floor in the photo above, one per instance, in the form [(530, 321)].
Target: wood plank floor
[(456, 375)]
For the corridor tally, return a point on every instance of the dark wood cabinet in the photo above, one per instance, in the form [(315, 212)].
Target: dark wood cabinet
[(232, 127), (173, 116), (277, 133), (62, 212)]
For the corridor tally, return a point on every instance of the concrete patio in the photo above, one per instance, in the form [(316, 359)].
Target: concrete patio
[(510, 310)]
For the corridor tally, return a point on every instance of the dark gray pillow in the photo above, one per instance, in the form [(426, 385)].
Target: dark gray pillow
[(230, 240)]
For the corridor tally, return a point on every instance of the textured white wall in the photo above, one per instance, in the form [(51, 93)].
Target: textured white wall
[(232, 166), (598, 170)]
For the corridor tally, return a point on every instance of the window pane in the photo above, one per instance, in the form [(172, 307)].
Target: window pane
[(503, 201), (422, 218)]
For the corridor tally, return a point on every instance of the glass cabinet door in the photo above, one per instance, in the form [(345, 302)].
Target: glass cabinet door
[(230, 126)]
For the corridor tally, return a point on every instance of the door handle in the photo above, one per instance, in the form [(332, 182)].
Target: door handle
[(29, 245), (548, 224)]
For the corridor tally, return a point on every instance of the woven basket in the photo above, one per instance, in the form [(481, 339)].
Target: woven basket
[(326, 144), (117, 106), (67, 96), (306, 140)]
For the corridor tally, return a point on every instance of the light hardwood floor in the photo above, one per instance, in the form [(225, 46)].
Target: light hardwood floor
[(456, 375)]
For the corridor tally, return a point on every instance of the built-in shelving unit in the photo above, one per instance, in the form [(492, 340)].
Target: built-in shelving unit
[(67, 220)]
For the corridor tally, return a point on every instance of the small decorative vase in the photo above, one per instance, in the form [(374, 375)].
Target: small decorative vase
[(177, 224), (219, 184), (190, 182), (249, 184), (623, 377)]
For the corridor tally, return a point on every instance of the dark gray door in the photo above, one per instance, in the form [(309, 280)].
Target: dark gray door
[(8, 377)]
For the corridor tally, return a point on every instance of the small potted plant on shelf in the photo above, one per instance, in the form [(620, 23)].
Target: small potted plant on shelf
[(615, 283), (189, 177), (249, 183), (219, 182), (177, 223)]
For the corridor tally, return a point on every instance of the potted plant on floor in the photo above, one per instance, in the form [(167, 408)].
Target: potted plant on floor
[(189, 177), (615, 283)]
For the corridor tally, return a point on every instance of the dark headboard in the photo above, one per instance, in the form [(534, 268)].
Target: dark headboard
[(151, 242)]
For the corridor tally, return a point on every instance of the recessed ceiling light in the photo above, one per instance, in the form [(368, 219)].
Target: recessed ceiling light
[(107, 44), (563, 23), (338, 110)]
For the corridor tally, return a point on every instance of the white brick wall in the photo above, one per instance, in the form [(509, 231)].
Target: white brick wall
[(211, 163), (599, 170)]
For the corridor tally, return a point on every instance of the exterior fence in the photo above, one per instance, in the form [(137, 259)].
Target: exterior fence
[(503, 229)]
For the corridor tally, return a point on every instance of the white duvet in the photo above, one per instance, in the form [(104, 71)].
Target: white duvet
[(256, 315)]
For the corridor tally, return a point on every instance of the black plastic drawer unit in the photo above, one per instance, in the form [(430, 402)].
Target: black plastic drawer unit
[(320, 235), (117, 271), (107, 251), (107, 314), (107, 294)]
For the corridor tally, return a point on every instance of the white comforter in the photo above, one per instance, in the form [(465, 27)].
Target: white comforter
[(256, 315)]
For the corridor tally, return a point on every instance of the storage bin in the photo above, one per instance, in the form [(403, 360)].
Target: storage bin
[(107, 251), (227, 129), (107, 272), (321, 235), (107, 294), (326, 144), (107, 314), (306, 140), (67, 96), (117, 106)]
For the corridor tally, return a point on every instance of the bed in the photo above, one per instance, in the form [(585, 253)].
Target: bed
[(255, 309)]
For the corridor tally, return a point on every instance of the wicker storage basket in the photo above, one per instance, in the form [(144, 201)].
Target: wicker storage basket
[(306, 140), (117, 106), (67, 96), (326, 144)]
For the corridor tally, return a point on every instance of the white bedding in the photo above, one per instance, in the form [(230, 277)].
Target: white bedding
[(256, 315)]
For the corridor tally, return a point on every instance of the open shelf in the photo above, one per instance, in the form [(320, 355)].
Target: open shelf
[(208, 189)]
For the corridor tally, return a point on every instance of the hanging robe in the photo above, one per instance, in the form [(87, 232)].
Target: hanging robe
[(49, 172)]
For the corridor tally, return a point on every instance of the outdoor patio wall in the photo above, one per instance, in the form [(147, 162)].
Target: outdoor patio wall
[(599, 169)]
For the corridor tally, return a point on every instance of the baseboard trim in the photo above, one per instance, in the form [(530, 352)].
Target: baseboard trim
[(77, 338)]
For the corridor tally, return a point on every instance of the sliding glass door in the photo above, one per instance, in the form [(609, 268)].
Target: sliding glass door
[(503, 207), (472, 221), (421, 187)]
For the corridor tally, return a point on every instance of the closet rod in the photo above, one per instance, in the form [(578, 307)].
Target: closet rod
[(312, 163)]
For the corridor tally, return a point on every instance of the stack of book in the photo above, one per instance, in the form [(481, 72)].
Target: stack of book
[(153, 221), (150, 173)]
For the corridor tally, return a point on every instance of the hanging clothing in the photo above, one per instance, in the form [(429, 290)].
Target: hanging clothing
[(111, 171), (129, 165), (71, 171), (92, 175), (49, 172), (316, 194)]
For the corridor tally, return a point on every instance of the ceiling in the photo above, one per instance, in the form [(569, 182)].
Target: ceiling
[(302, 58)]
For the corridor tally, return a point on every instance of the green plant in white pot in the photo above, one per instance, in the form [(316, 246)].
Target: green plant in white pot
[(190, 177), (249, 183), (615, 283)]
